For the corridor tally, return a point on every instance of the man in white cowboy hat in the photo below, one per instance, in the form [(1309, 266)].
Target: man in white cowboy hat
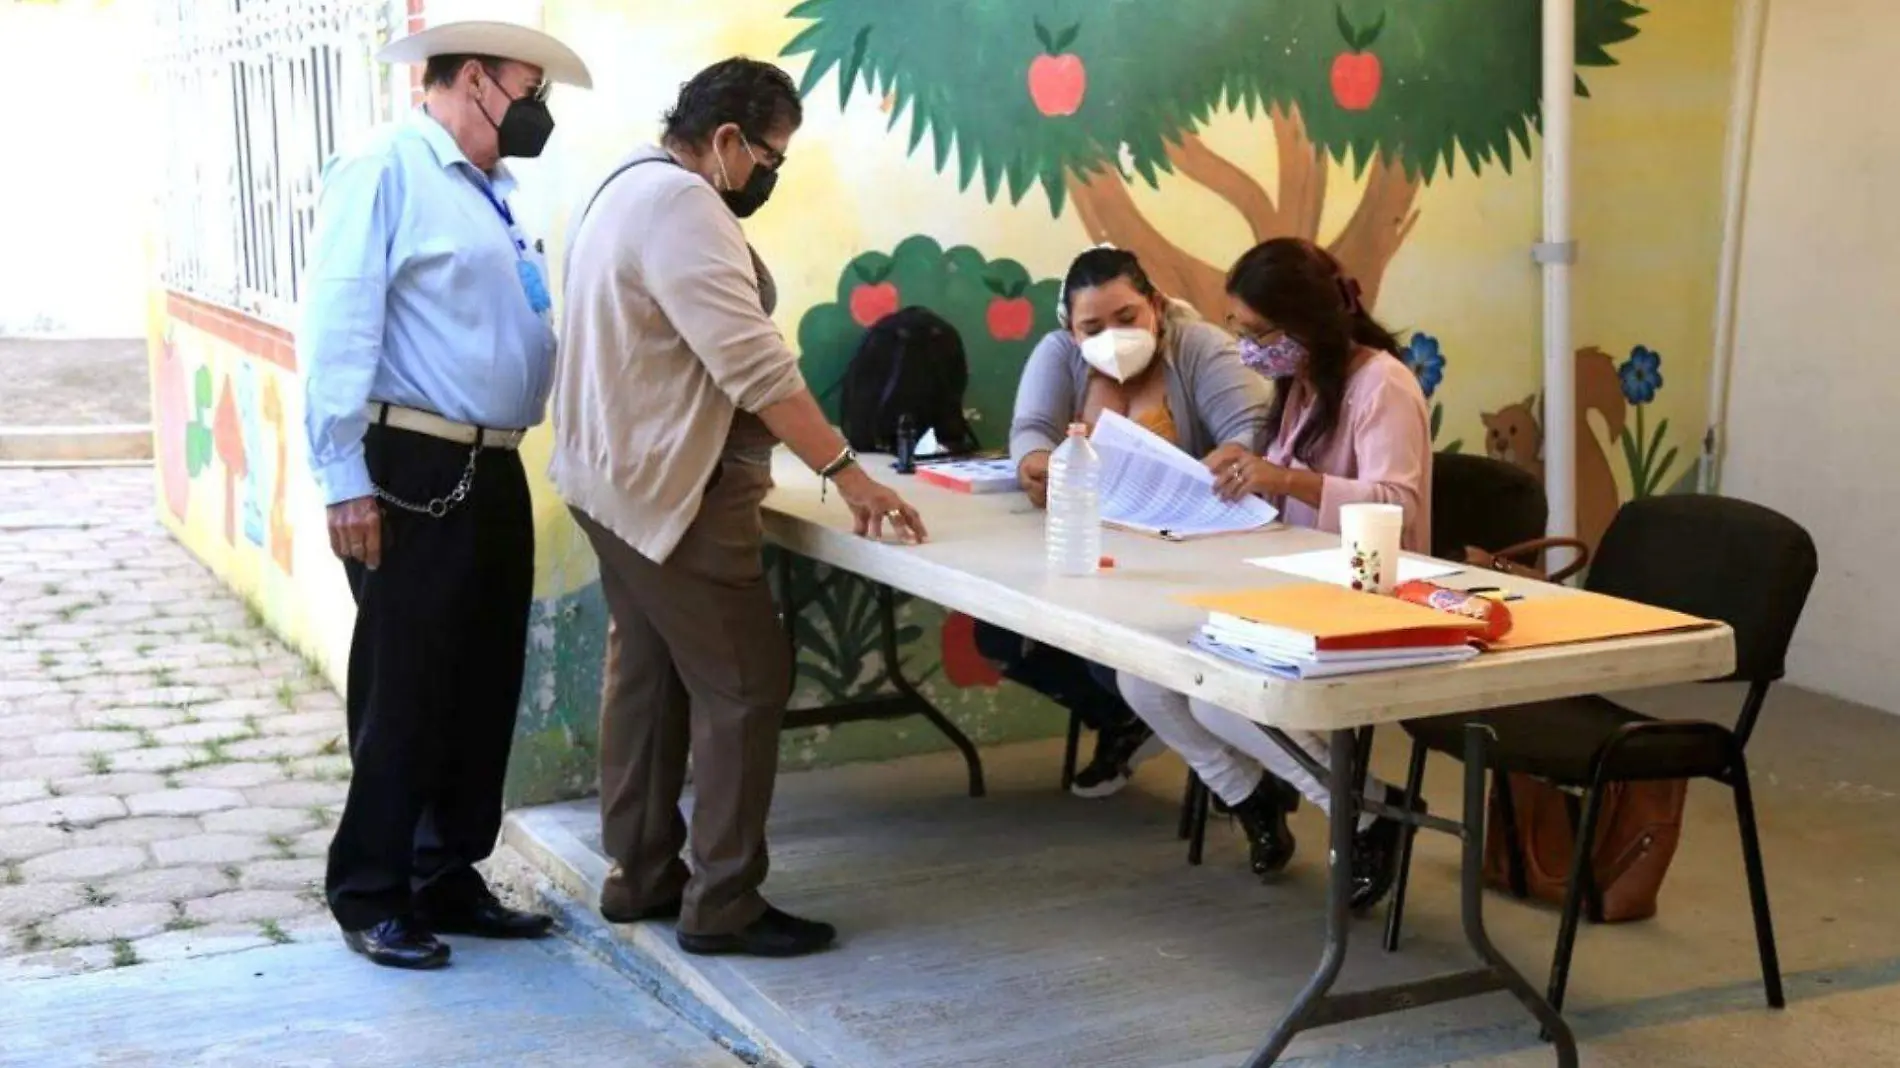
[(427, 351)]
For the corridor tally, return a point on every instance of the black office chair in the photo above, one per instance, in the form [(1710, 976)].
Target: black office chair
[(1713, 557), (1477, 502)]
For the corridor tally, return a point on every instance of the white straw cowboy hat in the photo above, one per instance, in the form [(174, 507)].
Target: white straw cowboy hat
[(502, 40)]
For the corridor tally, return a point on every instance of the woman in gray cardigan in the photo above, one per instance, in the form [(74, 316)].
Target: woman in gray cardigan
[(1125, 348)]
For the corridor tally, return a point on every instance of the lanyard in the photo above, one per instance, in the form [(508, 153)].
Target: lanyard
[(507, 217)]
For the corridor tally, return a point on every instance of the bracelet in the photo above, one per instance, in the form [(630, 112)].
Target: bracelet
[(834, 468)]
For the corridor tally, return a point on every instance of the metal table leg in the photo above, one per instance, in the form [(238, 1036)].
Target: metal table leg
[(905, 702), (1317, 1006)]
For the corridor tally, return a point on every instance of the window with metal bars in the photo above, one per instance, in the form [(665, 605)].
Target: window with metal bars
[(257, 96)]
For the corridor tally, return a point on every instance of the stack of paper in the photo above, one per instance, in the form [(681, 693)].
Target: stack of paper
[(1335, 566), (1322, 630), (1151, 487)]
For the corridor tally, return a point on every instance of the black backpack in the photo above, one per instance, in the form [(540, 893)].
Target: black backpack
[(911, 363)]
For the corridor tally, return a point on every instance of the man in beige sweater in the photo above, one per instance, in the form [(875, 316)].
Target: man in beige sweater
[(672, 389)]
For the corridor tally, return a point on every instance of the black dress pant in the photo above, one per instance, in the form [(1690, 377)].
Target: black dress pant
[(1081, 686), (435, 676)]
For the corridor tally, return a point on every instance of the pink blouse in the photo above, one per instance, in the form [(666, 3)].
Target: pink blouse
[(1380, 451)]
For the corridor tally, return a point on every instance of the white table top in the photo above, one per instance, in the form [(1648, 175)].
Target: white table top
[(985, 559)]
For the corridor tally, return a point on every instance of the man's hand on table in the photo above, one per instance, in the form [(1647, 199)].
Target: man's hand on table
[(874, 504)]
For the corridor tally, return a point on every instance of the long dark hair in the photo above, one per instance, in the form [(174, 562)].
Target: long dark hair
[(1302, 289), (1099, 267)]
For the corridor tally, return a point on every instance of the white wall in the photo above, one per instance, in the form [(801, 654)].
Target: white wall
[(80, 168), (1812, 419)]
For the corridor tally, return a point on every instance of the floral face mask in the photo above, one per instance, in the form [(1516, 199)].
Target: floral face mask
[(1283, 357)]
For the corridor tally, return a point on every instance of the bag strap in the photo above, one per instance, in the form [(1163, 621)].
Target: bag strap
[(1510, 559), (602, 188)]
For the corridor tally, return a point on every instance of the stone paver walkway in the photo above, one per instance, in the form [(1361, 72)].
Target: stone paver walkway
[(169, 771)]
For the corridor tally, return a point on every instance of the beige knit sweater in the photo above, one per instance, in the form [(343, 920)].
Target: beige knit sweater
[(664, 336)]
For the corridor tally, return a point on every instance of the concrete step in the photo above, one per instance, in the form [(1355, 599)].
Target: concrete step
[(71, 445)]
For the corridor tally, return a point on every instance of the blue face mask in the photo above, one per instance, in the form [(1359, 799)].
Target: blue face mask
[(1283, 357)]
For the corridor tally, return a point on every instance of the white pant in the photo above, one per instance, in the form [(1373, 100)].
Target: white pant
[(1229, 751)]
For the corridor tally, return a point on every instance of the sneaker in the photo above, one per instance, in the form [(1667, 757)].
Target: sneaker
[(1117, 754)]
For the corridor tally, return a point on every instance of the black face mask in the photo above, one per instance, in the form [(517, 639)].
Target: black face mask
[(750, 197), (524, 128)]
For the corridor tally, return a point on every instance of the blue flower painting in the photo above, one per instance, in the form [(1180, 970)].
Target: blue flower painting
[(1641, 378), (1426, 359)]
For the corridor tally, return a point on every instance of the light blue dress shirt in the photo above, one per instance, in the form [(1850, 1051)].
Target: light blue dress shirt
[(414, 295)]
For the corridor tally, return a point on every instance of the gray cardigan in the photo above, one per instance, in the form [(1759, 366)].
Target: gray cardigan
[(1214, 398)]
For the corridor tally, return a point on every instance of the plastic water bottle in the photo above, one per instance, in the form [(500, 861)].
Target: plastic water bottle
[(1072, 535)]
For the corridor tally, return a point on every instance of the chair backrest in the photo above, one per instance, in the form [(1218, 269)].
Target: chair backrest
[(1483, 502), (1715, 557)]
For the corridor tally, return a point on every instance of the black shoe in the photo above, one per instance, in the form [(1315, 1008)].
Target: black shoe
[(665, 910), (775, 934), (399, 943), (486, 917), (1270, 842), (1375, 855), (1118, 752)]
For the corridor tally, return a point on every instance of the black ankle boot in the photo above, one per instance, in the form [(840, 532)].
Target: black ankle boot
[(1375, 855), (1270, 842)]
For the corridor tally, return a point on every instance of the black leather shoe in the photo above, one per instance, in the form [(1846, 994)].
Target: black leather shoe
[(775, 934), (1270, 842), (488, 918), (665, 910), (399, 943), (1375, 856)]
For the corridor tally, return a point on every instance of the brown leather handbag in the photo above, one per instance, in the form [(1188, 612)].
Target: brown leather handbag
[(1637, 835), (1638, 829)]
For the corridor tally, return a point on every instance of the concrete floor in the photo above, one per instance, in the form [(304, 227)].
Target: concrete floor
[(1032, 929), (532, 1005)]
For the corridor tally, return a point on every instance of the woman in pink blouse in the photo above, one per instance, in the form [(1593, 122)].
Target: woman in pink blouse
[(1348, 425)]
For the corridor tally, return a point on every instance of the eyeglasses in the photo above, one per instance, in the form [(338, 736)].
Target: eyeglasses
[(774, 158)]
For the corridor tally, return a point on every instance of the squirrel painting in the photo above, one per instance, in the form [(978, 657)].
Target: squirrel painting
[(1515, 434)]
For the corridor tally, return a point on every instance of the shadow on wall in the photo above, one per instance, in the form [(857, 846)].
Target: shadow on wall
[(557, 733)]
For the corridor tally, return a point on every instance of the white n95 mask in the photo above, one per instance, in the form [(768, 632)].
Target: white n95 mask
[(1121, 353)]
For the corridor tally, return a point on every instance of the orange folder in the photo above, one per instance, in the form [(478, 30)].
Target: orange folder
[(1569, 618), (1323, 617)]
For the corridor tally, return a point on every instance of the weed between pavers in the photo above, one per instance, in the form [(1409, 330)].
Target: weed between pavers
[(10, 873), (180, 921), (123, 955), (95, 897), (231, 872), (284, 844), (32, 939), (100, 763), (321, 815), (274, 931)]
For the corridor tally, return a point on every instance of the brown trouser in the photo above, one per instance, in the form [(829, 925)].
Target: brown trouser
[(696, 659)]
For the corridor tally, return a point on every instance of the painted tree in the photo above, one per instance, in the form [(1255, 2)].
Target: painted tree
[(1083, 99)]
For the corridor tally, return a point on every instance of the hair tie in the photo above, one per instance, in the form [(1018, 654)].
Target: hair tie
[(1062, 291), (1349, 290)]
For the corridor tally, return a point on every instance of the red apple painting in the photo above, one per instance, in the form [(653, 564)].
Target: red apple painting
[(1057, 80), (874, 298), (1010, 316), (1357, 73)]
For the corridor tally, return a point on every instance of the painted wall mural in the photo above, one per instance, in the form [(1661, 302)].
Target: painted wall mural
[(958, 156), (1112, 94)]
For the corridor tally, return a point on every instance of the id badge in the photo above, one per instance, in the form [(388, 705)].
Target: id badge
[(533, 285)]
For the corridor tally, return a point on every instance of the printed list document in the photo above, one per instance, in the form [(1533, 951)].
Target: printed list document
[(1151, 487)]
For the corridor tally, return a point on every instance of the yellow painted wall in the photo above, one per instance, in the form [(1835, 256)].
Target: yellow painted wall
[(1648, 188)]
